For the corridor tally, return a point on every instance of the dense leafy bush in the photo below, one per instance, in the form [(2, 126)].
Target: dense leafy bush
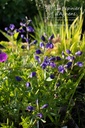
[(12, 11)]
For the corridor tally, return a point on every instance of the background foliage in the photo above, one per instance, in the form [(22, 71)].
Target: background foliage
[(12, 11)]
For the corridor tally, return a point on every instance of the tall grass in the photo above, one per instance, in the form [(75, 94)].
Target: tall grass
[(69, 33)]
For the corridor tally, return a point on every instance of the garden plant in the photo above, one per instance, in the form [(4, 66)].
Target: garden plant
[(39, 83)]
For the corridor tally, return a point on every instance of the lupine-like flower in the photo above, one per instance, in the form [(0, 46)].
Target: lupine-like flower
[(52, 64), (70, 58), (42, 45), (58, 58), (43, 38), (58, 84), (29, 29), (61, 69), (80, 64), (34, 42), (52, 76), (38, 51), (44, 106), (78, 53), (18, 78), (52, 59), (21, 30), (10, 29), (63, 54), (30, 108), (43, 65), (28, 84), (33, 74), (38, 58), (68, 65), (11, 33), (51, 37), (39, 115), (22, 36), (46, 60), (22, 24), (6, 29), (12, 26), (3, 56), (49, 45), (23, 47), (68, 51)]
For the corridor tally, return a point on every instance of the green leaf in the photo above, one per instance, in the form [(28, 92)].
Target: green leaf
[(16, 35), (6, 35), (43, 120)]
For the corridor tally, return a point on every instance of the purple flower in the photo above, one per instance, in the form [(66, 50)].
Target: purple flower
[(28, 84), (80, 64), (78, 53), (33, 74), (52, 64), (22, 36), (58, 84), (51, 37), (39, 115), (3, 56), (42, 45), (43, 38), (18, 78), (52, 59), (58, 58), (43, 65), (38, 58), (30, 108), (61, 69), (49, 45), (63, 54), (12, 26), (22, 24), (68, 65), (27, 39), (21, 30), (46, 60), (68, 51), (6, 29), (34, 42), (29, 29), (23, 47), (11, 33), (38, 51), (44, 106), (70, 58), (52, 76)]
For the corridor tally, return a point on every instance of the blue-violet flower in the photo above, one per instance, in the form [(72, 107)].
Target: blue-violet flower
[(61, 69)]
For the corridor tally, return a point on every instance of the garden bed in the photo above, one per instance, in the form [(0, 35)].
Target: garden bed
[(42, 83)]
